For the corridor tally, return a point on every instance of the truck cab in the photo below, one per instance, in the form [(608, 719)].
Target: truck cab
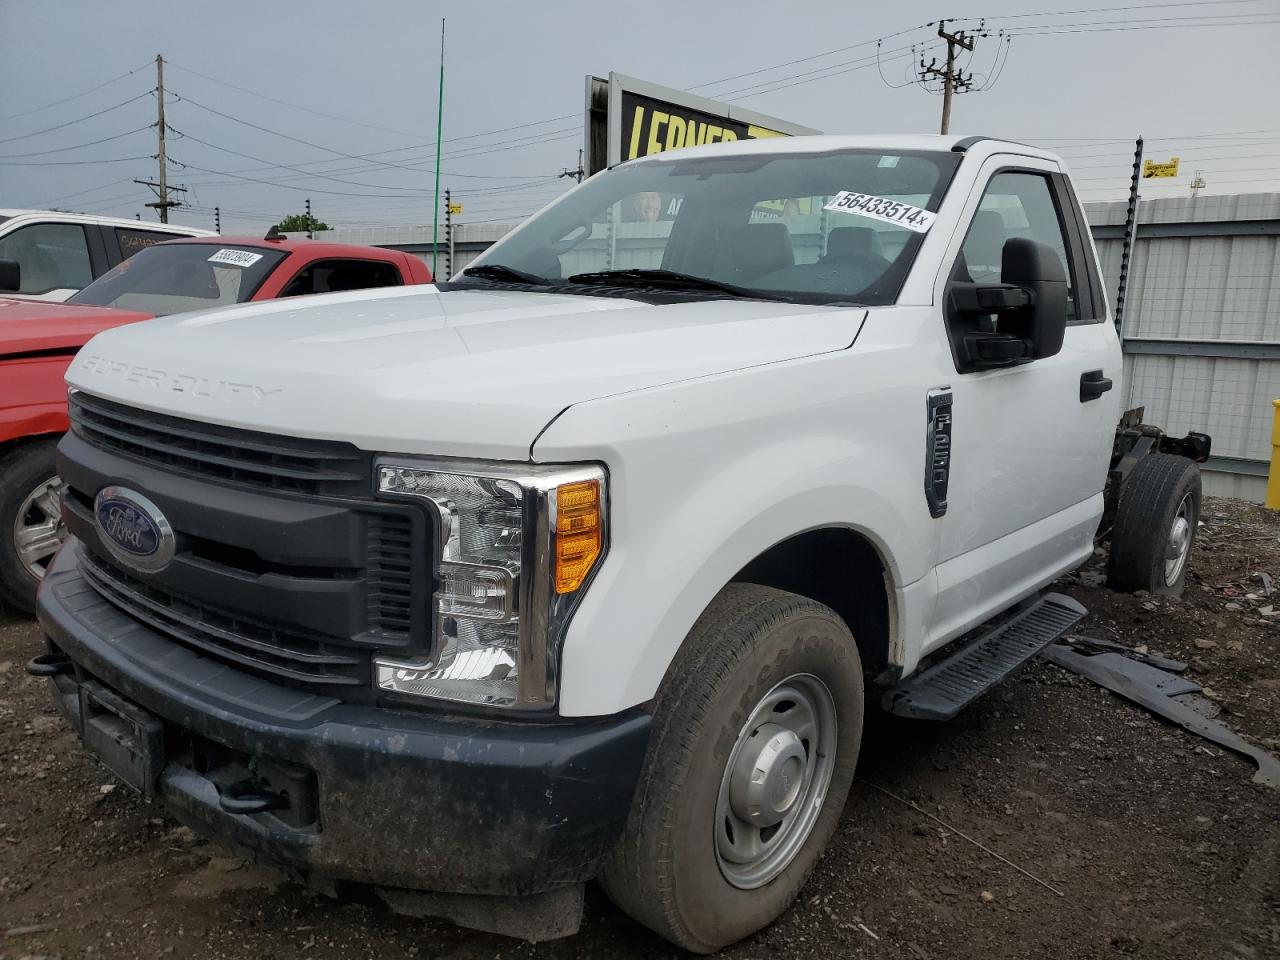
[(585, 564)]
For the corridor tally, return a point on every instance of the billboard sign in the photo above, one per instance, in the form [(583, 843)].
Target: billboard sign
[(628, 118), (1152, 169)]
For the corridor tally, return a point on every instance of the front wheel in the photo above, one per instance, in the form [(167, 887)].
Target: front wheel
[(755, 738), (31, 527)]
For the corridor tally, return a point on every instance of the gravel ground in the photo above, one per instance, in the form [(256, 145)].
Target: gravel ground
[(1108, 833)]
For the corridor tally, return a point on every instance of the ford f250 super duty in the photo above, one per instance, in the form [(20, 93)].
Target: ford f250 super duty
[(583, 564)]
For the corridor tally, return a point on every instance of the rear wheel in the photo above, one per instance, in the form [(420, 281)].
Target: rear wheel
[(31, 527), (1155, 526), (755, 739)]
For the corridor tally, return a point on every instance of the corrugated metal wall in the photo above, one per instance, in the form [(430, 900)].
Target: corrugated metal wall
[(1202, 323)]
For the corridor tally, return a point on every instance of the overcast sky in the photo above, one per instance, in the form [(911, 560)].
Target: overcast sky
[(521, 64)]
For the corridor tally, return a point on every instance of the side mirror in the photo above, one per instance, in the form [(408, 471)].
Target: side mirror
[(10, 276), (1036, 268), (1020, 319)]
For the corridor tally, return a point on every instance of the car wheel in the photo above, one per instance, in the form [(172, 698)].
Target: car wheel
[(755, 738), (1155, 526), (30, 520)]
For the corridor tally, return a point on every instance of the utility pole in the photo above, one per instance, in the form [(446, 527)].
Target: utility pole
[(310, 232), (953, 81), (448, 235), (217, 219), (435, 221), (1197, 184), (576, 174), (162, 203)]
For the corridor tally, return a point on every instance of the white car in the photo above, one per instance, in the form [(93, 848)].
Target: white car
[(47, 255), (583, 564)]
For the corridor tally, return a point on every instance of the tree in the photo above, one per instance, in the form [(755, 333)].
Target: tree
[(301, 223)]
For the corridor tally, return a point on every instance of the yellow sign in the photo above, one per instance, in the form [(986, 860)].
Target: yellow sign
[(1152, 170), (455, 209)]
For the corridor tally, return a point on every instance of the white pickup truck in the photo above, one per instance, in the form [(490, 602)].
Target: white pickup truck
[(583, 564)]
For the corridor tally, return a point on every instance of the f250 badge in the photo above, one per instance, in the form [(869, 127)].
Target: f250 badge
[(133, 529), (937, 446)]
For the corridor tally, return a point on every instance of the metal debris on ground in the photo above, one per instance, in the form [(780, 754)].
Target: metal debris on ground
[(1173, 697)]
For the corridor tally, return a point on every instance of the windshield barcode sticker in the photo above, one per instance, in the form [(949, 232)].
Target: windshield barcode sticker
[(883, 209), (236, 258)]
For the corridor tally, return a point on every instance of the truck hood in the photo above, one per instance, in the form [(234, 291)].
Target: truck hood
[(459, 373), (31, 326)]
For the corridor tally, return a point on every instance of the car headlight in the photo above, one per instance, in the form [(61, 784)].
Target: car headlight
[(517, 546)]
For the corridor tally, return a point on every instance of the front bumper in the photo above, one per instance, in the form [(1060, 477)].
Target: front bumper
[(392, 799)]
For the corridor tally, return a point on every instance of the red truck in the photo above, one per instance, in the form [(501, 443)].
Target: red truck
[(38, 340)]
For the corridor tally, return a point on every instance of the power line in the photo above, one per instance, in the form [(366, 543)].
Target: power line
[(855, 65), (69, 123), (286, 166), (816, 56), (341, 153), (1211, 172), (71, 196), (1150, 26), (78, 146), (75, 96), (70, 163), (1137, 6), (288, 103)]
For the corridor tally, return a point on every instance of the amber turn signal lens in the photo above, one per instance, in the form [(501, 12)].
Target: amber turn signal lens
[(578, 524)]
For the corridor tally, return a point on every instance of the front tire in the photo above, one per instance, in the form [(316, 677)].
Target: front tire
[(31, 527), (1155, 526), (755, 739)]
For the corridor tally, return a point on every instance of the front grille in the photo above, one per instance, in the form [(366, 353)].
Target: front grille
[(390, 575), (244, 642), (228, 454)]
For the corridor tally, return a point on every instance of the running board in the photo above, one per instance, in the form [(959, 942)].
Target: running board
[(941, 691)]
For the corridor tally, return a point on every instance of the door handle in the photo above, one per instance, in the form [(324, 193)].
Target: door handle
[(1093, 385)]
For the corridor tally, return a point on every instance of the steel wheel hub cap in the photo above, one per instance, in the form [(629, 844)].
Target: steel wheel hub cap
[(775, 781), (1175, 556), (38, 530), (768, 775)]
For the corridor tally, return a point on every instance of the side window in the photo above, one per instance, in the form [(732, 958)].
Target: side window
[(51, 256), (332, 276), (131, 241), (1015, 205)]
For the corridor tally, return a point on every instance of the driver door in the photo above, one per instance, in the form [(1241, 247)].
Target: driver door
[(1029, 451)]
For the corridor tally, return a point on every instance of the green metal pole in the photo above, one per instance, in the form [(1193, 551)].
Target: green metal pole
[(435, 218)]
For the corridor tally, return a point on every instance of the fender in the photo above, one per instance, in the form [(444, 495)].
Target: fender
[(35, 396), (707, 475)]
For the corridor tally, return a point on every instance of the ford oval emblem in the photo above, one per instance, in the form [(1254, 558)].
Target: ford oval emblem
[(133, 528)]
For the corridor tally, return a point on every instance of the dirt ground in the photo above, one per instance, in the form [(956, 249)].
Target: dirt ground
[(1137, 840)]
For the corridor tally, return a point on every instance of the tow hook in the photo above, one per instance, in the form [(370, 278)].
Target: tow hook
[(248, 796), (49, 665)]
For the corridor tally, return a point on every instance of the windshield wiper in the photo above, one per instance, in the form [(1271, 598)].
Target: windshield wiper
[(500, 271), (669, 279)]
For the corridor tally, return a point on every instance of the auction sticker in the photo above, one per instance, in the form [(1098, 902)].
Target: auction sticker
[(883, 209), (235, 258)]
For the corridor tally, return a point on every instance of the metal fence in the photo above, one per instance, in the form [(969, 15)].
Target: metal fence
[(1202, 323), (1201, 326)]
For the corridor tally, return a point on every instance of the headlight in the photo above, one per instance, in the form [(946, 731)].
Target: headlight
[(517, 545)]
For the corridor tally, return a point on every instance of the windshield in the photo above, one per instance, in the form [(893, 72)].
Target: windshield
[(817, 227), (173, 277)]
